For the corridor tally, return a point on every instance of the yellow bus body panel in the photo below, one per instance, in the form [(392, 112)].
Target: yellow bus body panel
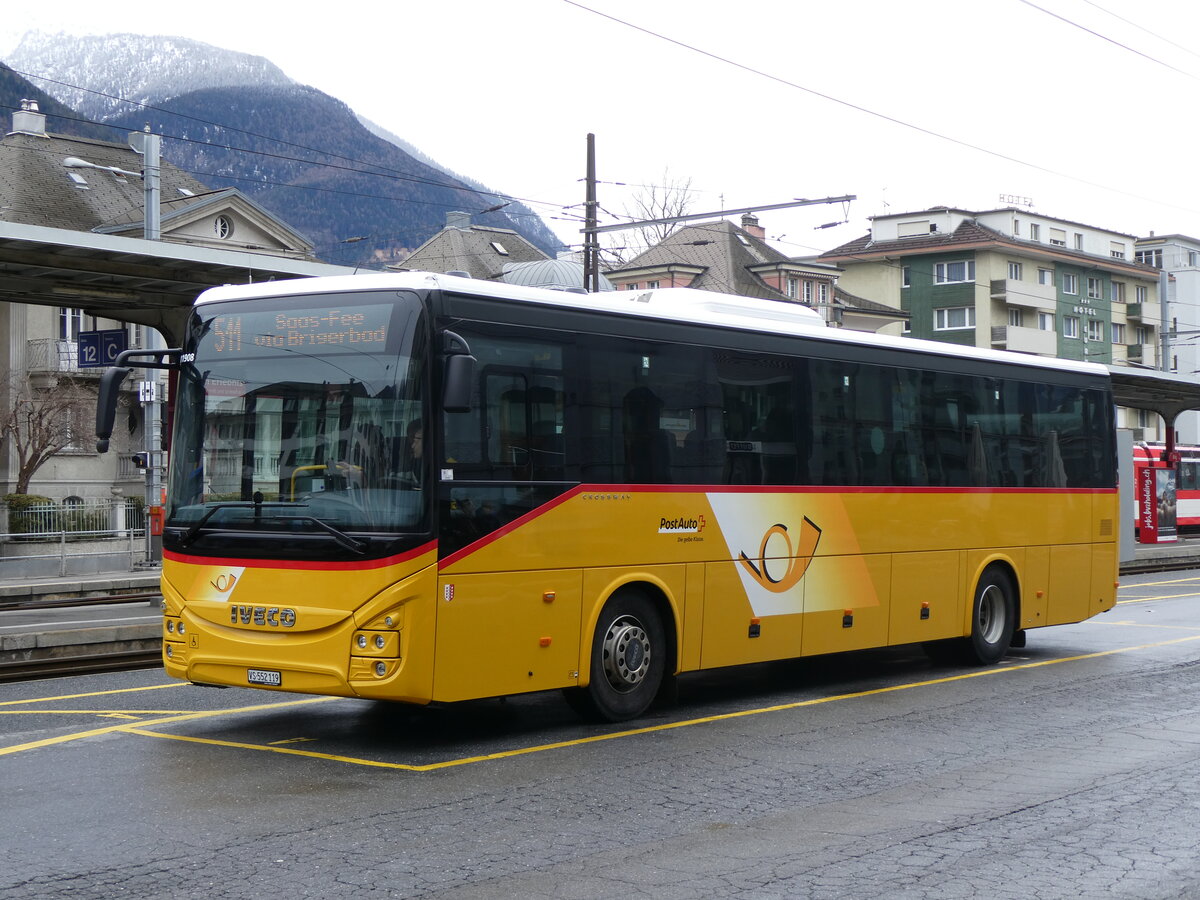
[(742, 575)]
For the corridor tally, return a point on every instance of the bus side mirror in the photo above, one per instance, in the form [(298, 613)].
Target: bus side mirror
[(460, 378), (459, 374), (106, 405)]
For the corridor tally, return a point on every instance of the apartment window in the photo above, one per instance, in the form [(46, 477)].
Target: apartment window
[(1116, 291), (953, 318), (915, 229), (1118, 333), (1142, 293), (1045, 276), (1116, 250), (1058, 237), (954, 272), (1095, 330), (1149, 257), (1045, 321), (1078, 241), (1014, 271), (652, 285), (1143, 418), (808, 292), (632, 286), (1016, 227), (906, 276), (1192, 258), (793, 288), (70, 323), (1071, 326), (1070, 283), (1095, 289), (1015, 316), (1141, 335), (823, 292), (1035, 231)]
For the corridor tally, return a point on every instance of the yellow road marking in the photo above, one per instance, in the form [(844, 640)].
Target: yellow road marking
[(142, 730), (95, 712), (292, 741), (166, 720), (1160, 597), (1193, 580), (149, 687)]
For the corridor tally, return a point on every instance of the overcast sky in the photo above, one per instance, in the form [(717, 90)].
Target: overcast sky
[(1086, 108)]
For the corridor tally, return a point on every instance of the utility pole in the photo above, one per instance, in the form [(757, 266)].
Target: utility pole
[(591, 240)]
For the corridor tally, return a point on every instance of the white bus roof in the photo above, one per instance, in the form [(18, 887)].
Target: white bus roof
[(672, 304)]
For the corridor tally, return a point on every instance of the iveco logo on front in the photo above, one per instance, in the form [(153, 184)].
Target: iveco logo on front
[(271, 616)]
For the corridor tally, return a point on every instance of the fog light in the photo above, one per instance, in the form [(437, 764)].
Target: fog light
[(379, 642), (362, 642), (170, 627), (380, 669), (162, 604), (170, 651), (182, 628), (388, 621)]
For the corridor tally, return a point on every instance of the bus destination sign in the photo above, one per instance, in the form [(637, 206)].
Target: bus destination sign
[(360, 327)]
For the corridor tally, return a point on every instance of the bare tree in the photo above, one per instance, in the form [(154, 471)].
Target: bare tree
[(673, 197), (39, 422)]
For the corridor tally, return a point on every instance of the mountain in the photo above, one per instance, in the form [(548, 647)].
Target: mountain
[(60, 118), (362, 195)]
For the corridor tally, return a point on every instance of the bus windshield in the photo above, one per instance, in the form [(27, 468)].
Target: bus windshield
[(300, 418)]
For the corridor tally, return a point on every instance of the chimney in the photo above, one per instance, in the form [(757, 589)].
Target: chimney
[(751, 227), (27, 119), (458, 219)]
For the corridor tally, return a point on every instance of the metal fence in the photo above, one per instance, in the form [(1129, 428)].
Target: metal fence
[(71, 537)]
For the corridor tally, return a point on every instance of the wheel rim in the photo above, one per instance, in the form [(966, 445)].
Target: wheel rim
[(992, 614), (626, 653)]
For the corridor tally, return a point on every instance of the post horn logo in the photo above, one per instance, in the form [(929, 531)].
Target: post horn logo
[(797, 558), (224, 583)]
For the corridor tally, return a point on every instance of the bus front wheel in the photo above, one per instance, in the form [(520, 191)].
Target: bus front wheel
[(628, 660)]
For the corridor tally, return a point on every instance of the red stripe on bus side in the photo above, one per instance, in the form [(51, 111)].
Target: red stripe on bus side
[(407, 556)]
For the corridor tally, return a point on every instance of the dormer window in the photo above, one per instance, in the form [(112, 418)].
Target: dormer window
[(223, 227)]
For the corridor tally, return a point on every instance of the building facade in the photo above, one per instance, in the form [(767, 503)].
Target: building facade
[(1010, 279), (69, 186)]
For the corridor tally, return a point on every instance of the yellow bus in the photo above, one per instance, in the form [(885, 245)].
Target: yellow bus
[(424, 488)]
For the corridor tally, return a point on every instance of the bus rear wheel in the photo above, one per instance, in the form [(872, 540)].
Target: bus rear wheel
[(993, 623), (628, 660), (993, 616)]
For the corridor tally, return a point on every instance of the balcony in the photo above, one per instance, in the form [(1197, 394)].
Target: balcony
[(52, 356), (1144, 312), (1025, 340), (1025, 293)]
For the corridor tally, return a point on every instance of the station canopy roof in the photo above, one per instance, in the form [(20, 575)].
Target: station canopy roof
[(1161, 392), (129, 279)]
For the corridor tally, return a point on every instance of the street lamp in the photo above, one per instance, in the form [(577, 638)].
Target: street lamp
[(149, 146)]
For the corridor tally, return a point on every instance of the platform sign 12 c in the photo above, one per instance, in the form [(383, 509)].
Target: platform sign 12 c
[(101, 348)]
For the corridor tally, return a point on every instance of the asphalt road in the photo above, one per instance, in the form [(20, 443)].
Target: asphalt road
[(1070, 770)]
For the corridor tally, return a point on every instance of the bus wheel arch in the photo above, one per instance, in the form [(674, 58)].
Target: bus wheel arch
[(631, 655)]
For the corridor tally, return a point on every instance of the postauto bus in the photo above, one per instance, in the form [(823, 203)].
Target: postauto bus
[(425, 488)]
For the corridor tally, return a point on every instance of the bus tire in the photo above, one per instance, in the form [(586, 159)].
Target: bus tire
[(993, 618), (628, 660)]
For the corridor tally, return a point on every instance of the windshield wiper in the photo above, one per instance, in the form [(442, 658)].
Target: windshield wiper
[(352, 544), (257, 505)]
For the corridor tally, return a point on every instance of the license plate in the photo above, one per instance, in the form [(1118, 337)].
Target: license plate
[(263, 676)]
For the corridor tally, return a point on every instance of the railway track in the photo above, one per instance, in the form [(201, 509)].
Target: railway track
[(88, 664)]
